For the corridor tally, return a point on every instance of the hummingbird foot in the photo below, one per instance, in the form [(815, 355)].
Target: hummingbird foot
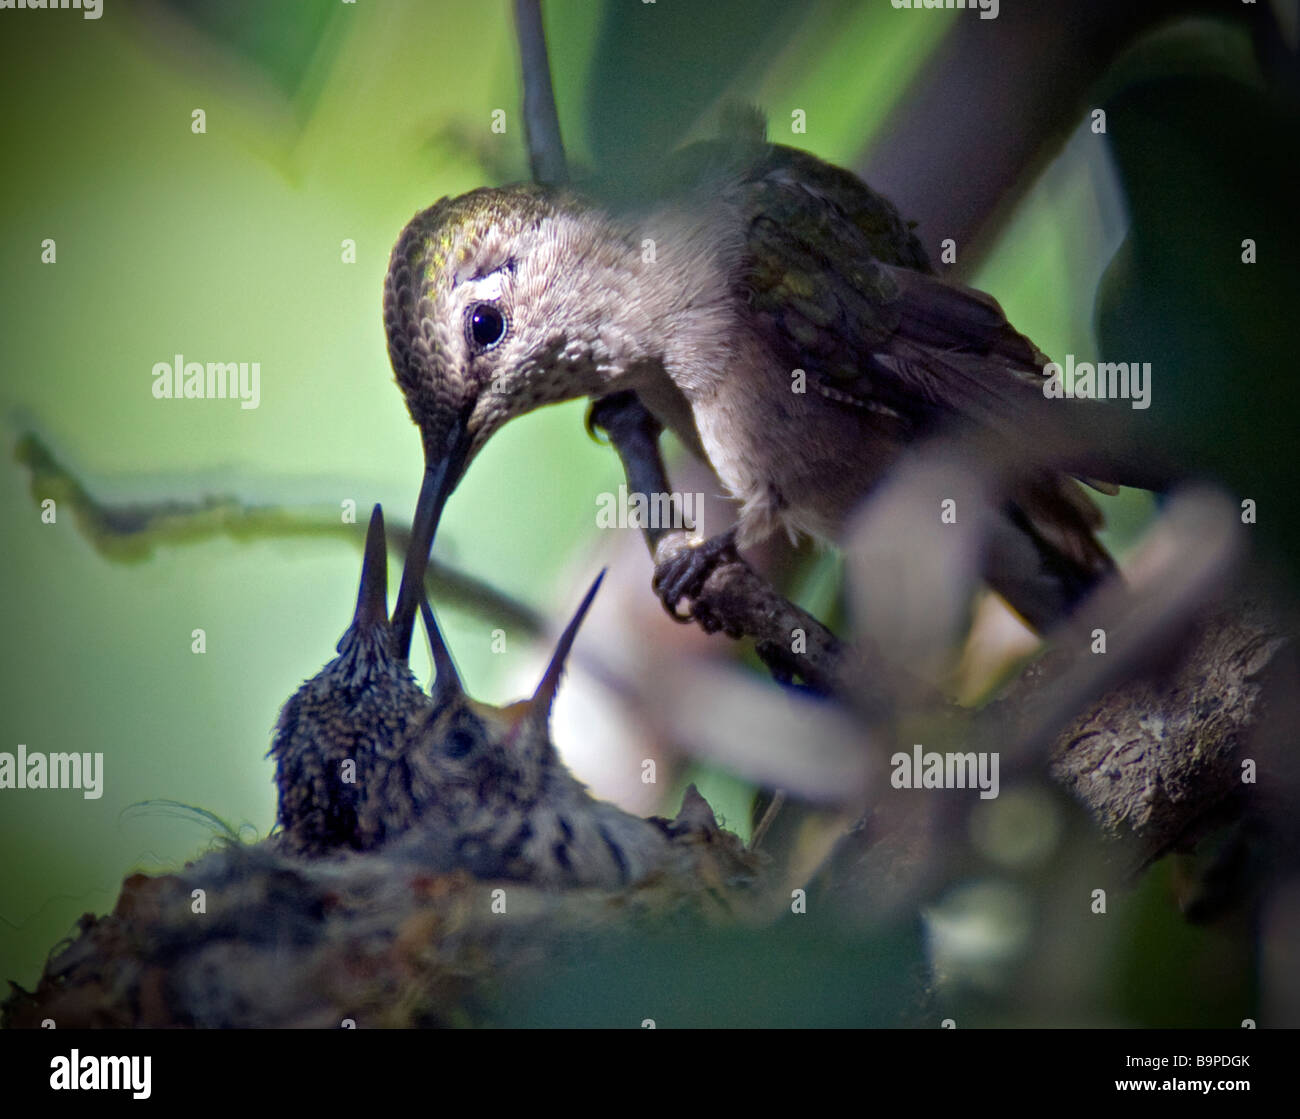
[(683, 575)]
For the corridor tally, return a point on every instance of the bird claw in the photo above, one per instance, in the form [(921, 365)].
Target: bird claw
[(684, 574)]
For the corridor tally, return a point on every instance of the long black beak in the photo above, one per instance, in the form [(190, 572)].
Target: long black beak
[(446, 680), (440, 479), (544, 697), (372, 597)]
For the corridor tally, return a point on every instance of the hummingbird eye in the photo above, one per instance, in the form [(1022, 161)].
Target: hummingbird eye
[(485, 326), (460, 742)]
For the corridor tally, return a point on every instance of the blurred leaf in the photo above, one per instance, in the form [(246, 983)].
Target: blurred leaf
[(281, 39), (804, 973), (1207, 160), (658, 67)]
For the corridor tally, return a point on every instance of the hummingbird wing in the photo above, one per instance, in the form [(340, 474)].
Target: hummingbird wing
[(842, 289)]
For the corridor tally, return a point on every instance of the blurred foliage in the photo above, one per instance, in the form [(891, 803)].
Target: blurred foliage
[(282, 40), (1207, 155), (803, 973)]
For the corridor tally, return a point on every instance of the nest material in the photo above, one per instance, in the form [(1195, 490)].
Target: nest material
[(253, 936)]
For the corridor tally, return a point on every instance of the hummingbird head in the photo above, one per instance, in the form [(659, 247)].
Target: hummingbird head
[(476, 747), (364, 706), (366, 671), (496, 798), (497, 302)]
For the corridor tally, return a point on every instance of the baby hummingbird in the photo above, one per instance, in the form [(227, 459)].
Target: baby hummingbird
[(777, 314), (504, 804), (364, 756), (343, 742)]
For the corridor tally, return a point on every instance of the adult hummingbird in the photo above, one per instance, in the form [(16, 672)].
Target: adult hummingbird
[(776, 313)]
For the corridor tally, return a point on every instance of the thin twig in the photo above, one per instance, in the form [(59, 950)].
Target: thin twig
[(541, 121), (778, 800), (130, 532)]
